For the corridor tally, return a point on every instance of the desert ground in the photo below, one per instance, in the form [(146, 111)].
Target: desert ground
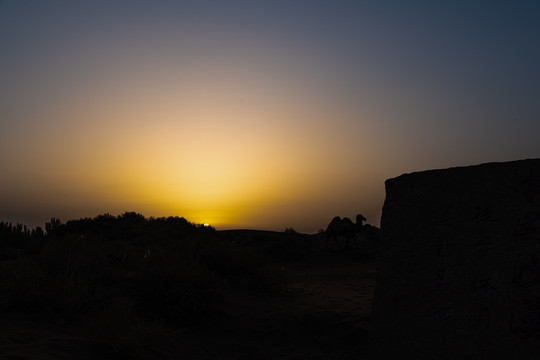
[(319, 308)]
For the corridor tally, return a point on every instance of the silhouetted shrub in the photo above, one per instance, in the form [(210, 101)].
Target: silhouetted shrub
[(127, 276), (53, 227), (16, 240), (289, 230), (23, 284), (66, 276), (177, 290)]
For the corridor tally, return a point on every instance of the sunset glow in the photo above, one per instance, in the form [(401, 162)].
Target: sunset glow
[(258, 116)]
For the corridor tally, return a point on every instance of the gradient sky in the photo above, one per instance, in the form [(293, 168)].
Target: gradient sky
[(255, 114)]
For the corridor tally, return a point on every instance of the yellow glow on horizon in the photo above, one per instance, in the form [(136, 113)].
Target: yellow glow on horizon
[(194, 151), (224, 173)]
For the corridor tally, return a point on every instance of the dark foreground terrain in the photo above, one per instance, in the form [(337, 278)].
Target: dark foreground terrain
[(195, 294)]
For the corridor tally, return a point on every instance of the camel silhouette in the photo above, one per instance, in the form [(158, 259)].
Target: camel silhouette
[(344, 228)]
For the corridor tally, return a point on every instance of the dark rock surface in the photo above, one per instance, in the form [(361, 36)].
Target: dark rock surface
[(459, 265)]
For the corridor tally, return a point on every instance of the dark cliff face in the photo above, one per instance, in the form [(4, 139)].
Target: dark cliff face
[(460, 264), (516, 181)]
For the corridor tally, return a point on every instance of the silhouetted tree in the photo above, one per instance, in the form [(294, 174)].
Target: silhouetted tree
[(53, 227), (37, 233)]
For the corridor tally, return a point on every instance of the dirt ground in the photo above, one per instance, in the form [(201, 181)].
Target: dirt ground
[(322, 312)]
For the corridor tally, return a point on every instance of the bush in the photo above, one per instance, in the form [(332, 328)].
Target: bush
[(67, 276), (177, 289), (170, 270), (290, 230), (24, 286)]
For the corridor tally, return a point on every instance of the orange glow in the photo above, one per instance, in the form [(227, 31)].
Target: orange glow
[(231, 142), (216, 167)]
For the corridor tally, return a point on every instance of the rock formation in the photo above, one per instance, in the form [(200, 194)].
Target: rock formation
[(459, 264)]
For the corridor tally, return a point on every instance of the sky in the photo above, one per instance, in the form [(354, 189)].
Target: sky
[(255, 114)]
